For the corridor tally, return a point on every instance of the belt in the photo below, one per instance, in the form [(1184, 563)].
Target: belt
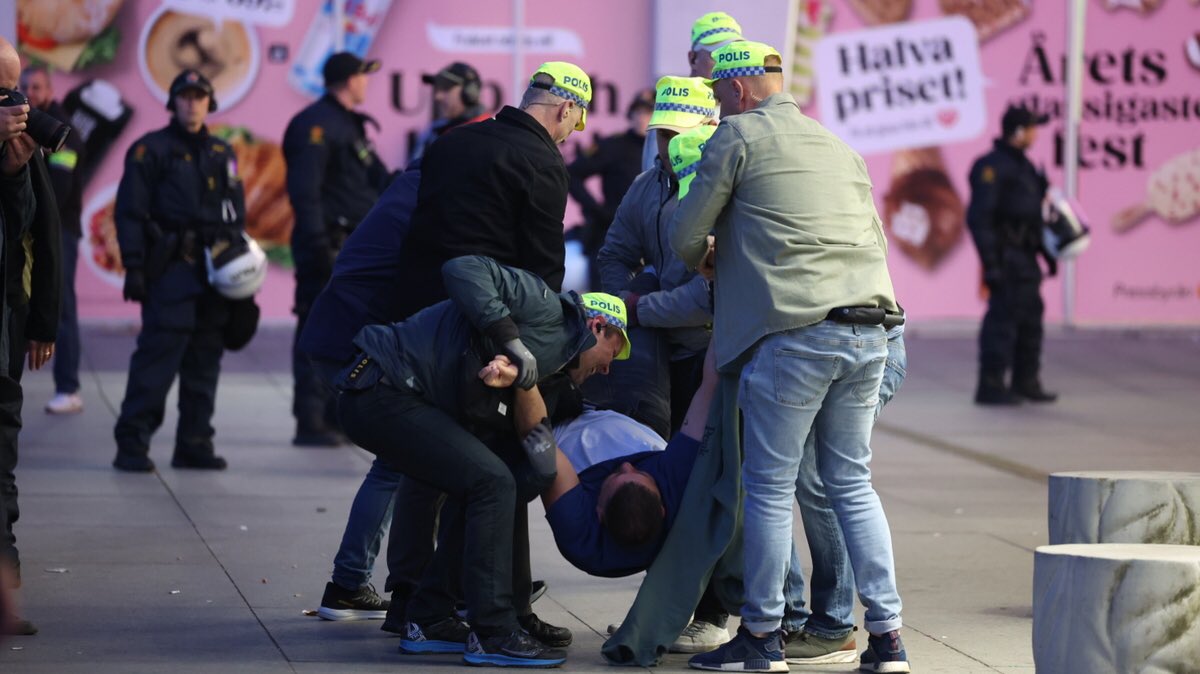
[(865, 316)]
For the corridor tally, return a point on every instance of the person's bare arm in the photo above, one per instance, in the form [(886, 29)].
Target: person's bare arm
[(697, 414)]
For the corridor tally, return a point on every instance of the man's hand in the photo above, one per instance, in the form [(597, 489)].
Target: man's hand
[(12, 121), (500, 373), (708, 268), (135, 286), (526, 364), (39, 354), (17, 153)]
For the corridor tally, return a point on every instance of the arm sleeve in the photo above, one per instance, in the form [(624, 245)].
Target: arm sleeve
[(981, 213), (45, 259), (495, 297), (585, 166), (719, 172), (132, 212), (621, 255), (542, 244), (307, 152), (685, 306)]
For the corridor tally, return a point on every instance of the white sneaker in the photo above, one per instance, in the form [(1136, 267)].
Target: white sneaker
[(700, 637), (65, 403)]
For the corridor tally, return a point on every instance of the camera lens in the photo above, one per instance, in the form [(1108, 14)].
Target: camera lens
[(46, 130)]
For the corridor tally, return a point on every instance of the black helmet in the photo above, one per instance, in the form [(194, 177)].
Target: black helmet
[(191, 79)]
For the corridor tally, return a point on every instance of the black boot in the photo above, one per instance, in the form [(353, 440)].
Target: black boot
[(133, 462), (992, 391), (198, 461), (1031, 390), (550, 635)]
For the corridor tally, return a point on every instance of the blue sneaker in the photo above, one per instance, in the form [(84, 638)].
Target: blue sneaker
[(444, 636), (516, 649), (884, 655), (745, 653)]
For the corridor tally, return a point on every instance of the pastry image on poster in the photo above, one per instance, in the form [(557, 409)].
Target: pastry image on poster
[(812, 23), (1172, 193), (880, 12), (226, 52), (69, 35), (989, 16), (261, 166), (101, 253), (1140, 6), (922, 212)]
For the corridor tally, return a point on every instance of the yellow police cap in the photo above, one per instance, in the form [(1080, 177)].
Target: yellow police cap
[(743, 59), (685, 151), (713, 28), (682, 103), (570, 82), (612, 308)]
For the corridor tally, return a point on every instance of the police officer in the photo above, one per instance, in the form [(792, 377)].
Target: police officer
[(1005, 218), (180, 192), (333, 179)]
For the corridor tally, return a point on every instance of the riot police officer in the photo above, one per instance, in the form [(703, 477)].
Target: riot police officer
[(333, 179), (180, 192), (1006, 221)]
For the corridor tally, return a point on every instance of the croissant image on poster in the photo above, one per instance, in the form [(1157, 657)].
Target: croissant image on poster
[(226, 52), (989, 16), (922, 212), (260, 164), (68, 34), (1172, 193)]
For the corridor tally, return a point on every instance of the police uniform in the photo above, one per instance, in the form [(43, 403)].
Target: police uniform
[(1005, 219), (179, 193), (333, 179)]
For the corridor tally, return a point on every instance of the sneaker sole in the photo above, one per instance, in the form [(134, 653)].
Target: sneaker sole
[(885, 668), (426, 647), (489, 660), (350, 614), (780, 666), (835, 658), (694, 648)]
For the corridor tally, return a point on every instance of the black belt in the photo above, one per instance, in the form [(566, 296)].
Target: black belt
[(865, 316)]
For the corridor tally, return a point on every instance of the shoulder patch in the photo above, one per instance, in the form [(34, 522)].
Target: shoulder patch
[(139, 152), (218, 147), (589, 150), (987, 175), (316, 135)]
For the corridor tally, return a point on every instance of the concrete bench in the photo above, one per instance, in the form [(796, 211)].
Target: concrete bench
[(1116, 609), (1125, 507)]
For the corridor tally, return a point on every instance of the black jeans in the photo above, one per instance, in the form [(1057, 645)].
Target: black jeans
[(11, 399), (427, 444)]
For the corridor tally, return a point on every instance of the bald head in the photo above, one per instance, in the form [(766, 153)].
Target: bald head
[(739, 94), (10, 65)]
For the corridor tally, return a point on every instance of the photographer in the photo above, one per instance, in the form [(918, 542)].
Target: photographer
[(31, 277)]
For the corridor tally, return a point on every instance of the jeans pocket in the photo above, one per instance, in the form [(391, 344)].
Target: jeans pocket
[(802, 379), (868, 380)]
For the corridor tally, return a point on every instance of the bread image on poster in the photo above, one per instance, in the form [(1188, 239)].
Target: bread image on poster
[(922, 212), (226, 52), (1172, 193), (261, 166), (68, 34), (989, 16)]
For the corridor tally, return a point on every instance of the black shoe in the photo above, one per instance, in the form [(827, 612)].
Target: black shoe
[(516, 649), (552, 636), (339, 603), (1033, 392), (986, 395), (133, 463), (394, 620), (19, 627), (198, 461), (448, 635), (323, 438), (536, 589)]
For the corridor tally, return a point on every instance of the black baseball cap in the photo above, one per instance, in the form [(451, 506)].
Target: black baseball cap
[(1019, 116), (343, 65), (642, 100), (452, 75), (191, 79)]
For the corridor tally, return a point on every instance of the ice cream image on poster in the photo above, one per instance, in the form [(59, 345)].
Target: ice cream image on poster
[(1172, 193), (922, 211), (224, 51), (339, 25)]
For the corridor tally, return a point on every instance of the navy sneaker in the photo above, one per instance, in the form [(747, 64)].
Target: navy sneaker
[(448, 635), (745, 653), (884, 655), (516, 649)]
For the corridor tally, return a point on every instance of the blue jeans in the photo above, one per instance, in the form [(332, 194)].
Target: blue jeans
[(370, 515), (832, 581), (824, 377), (66, 346)]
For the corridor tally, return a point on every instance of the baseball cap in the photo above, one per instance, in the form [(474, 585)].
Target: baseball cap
[(685, 151), (191, 79), (642, 100), (452, 75), (343, 65), (570, 82), (714, 28), (682, 103), (1018, 116), (612, 308), (743, 59)]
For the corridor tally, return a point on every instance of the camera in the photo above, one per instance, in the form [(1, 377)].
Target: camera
[(46, 130)]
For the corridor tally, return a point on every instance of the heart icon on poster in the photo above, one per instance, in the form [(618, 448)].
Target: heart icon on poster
[(947, 117)]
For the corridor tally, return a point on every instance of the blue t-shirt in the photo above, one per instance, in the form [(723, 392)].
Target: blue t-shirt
[(584, 541)]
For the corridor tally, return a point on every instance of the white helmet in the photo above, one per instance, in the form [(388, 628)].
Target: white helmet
[(1065, 235), (237, 270)]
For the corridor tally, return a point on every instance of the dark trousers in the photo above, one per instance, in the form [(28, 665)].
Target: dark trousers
[(66, 346), (686, 374), (428, 445), (313, 404), (1011, 335), (11, 399), (162, 352)]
